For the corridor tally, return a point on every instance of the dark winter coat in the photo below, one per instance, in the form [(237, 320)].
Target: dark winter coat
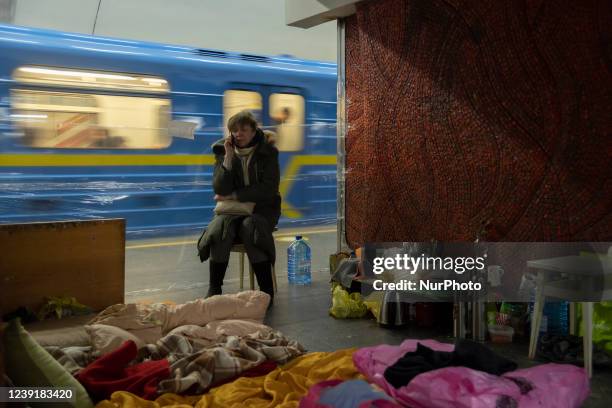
[(264, 176)]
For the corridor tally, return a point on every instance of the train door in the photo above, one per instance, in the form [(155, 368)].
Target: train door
[(282, 110)]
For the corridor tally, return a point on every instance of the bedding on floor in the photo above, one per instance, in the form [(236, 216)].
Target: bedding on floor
[(115, 371), (193, 365), (153, 321), (469, 388), (346, 394), (216, 352), (283, 387)]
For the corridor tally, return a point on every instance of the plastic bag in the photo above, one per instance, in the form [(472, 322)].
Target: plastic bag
[(62, 306), (602, 324), (345, 306)]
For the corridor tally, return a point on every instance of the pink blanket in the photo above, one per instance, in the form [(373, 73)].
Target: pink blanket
[(544, 386)]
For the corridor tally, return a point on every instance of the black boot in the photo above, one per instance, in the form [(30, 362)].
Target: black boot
[(216, 275), (263, 273)]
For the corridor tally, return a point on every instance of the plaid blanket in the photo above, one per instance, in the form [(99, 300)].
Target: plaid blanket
[(72, 359), (195, 366)]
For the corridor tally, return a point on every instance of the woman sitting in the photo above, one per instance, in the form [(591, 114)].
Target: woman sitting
[(245, 183)]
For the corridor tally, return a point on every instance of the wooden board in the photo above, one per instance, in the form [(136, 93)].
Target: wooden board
[(84, 259)]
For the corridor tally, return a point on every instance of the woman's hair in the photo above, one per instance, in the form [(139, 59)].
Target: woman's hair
[(241, 119)]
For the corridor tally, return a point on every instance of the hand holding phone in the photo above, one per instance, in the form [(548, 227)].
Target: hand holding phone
[(229, 147)]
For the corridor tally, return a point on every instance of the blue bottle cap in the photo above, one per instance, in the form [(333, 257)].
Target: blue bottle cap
[(298, 237)]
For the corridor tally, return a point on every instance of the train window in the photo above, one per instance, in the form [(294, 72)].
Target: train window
[(287, 112), (235, 101), (89, 121), (65, 77)]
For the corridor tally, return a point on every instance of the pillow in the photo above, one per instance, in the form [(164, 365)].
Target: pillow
[(250, 305), (29, 365), (65, 332), (105, 339), (74, 336)]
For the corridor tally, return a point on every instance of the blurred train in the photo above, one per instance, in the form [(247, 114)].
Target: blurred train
[(94, 127)]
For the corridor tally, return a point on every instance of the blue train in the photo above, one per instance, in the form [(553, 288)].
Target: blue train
[(95, 127)]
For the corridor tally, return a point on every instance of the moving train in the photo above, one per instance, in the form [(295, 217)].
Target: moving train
[(94, 127)]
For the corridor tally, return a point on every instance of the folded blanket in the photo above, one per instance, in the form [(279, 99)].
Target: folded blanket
[(283, 387)]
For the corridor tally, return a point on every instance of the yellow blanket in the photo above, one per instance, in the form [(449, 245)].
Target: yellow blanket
[(283, 387)]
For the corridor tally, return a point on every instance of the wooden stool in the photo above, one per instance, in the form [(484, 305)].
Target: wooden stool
[(240, 248)]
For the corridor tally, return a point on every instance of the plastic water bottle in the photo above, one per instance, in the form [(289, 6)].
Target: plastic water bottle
[(555, 318), (298, 260), (558, 319)]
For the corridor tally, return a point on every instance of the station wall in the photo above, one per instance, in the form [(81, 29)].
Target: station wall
[(463, 113), (253, 26)]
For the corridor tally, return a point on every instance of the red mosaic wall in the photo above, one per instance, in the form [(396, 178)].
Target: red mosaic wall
[(467, 112)]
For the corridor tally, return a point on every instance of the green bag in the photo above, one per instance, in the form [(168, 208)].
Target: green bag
[(602, 324), (345, 305)]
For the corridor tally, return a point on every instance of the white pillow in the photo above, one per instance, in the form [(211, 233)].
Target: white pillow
[(105, 339)]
